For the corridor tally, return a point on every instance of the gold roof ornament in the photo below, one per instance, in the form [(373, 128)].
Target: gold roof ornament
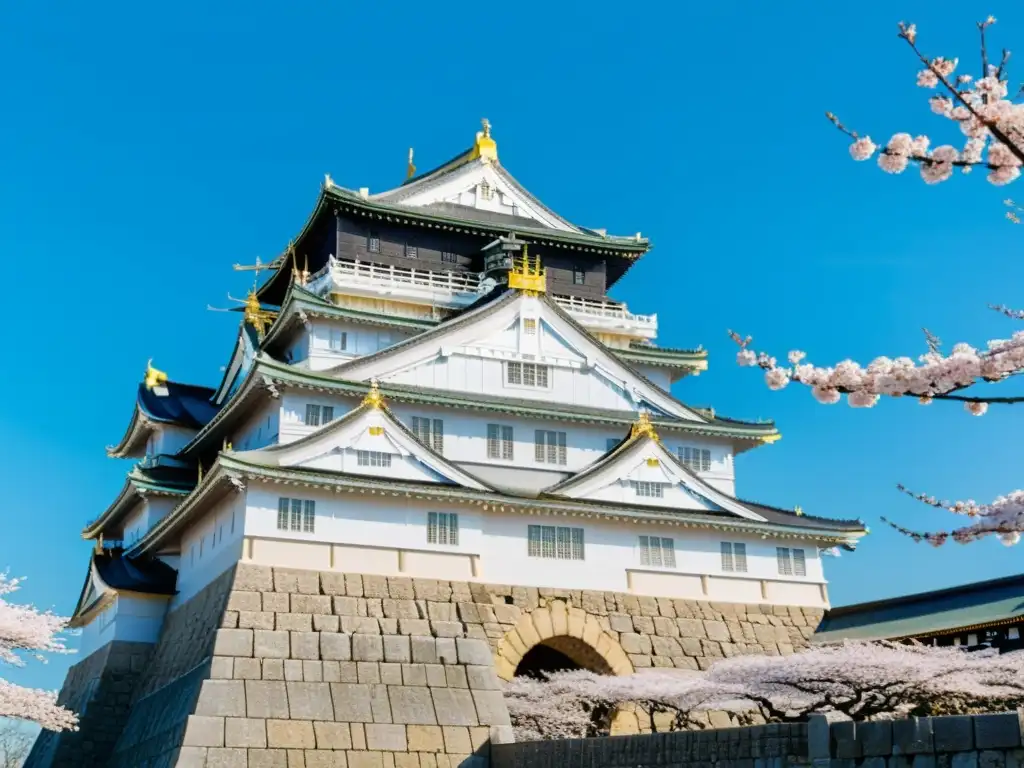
[(300, 276), (154, 378), (410, 170), (798, 510), (374, 398), (484, 147), (255, 315), (769, 439), (527, 274), (643, 427)]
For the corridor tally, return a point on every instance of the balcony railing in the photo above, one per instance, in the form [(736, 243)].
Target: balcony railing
[(365, 274), (611, 310)]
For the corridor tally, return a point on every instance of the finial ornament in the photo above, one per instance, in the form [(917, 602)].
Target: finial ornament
[(154, 378), (255, 315), (328, 181), (410, 171), (300, 276), (527, 274), (799, 510), (643, 427), (374, 398), (485, 147)]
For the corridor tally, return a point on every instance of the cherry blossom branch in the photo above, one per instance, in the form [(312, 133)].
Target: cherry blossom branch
[(934, 376), (1003, 518)]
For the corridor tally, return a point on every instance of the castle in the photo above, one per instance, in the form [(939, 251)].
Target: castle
[(440, 456)]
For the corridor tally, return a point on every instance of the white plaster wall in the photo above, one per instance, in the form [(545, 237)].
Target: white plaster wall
[(146, 513), (262, 428), (500, 541), (168, 439), (658, 375), (128, 618), (465, 437), (210, 545), (360, 340)]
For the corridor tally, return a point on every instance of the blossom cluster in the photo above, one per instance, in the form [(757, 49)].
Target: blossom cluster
[(931, 375), (988, 120), (26, 630), (855, 680), (1003, 518)]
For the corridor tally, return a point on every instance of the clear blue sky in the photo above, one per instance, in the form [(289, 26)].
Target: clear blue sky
[(145, 151)]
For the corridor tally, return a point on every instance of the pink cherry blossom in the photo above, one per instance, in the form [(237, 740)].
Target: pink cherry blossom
[(776, 378), (927, 79), (26, 631), (976, 409), (893, 163), (862, 148)]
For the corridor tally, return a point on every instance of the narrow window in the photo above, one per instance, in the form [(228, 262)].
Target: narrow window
[(450, 257), (657, 551), (312, 415), (486, 193), (499, 442), (578, 276), (514, 373), (443, 528), (734, 557), (373, 243), (326, 414), (549, 447), (308, 516), (785, 562), (338, 341), (1013, 633), (282, 514), (296, 521), (555, 542), (530, 326), (430, 432), (648, 489), (411, 251), (373, 459)]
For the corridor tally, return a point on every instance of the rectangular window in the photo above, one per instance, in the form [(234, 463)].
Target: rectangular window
[(734, 557), (658, 551), (549, 447), (1013, 633), (792, 562), (449, 257), (443, 528), (697, 459), (318, 415), (296, 515), (554, 542), (499, 442), (530, 326), (578, 276), (338, 340), (411, 251), (527, 375), (648, 489), (373, 459), (486, 193), (430, 432), (373, 243)]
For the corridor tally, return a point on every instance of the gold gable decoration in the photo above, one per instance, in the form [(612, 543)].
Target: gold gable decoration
[(527, 274), (643, 428), (484, 147), (374, 398), (154, 378), (256, 316)]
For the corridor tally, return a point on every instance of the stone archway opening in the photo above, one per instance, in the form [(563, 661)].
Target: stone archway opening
[(561, 654)]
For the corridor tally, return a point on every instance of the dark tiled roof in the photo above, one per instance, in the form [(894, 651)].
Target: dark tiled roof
[(456, 211), (184, 404), (150, 576), (790, 517), (942, 611)]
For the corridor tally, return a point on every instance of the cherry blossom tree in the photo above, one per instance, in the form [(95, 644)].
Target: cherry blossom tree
[(26, 631), (992, 126), (859, 681)]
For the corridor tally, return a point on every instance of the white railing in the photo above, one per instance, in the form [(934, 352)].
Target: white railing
[(361, 273), (609, 309)]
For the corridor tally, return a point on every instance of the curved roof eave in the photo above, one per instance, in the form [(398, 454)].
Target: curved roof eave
[(139, 429)]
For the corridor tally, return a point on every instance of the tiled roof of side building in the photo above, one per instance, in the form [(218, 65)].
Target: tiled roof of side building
[(187, 405), (942, 611), (146, 575)]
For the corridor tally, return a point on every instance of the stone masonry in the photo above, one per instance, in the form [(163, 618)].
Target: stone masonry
[(278, 667)]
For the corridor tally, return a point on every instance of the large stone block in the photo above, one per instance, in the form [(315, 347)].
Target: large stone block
[(473, 652), (270, 644), (204, 731), (265, 699), (309, 701), (245, 732), (351, 702), (953, 734), (412, 705), (221, 698), (997, 731), (397, 649), (233, 642), (335, 646), (491, 708), (367, 648), (386, 737), (454, 706), (331, 735), (305, 645), (290, 734)]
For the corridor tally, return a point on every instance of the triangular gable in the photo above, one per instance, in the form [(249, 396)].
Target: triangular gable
[(468, 331), (480, 184), (336, 446), (93, 592), (640, 465)]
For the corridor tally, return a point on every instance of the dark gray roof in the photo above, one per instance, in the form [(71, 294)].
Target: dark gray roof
[(475, 214)]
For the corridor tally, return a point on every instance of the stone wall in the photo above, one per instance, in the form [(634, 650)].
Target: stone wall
[(282, 667), (99, 689), (978, 741)]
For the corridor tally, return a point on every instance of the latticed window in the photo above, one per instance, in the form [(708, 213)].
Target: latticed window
[(411, 251), (430, 432), (734, 557), (443, 528), (554, 542), (530, 326), (657, 551), (578, 276), (527, 375), (549, 447), (486, 192), (792, 562), (697, 459), (648, 489), (338, 340), (317, 415), (296, 515), (373, 459), (373, 243), (499, 442), (450, 257)]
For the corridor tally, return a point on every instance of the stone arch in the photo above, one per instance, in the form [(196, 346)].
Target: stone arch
[(569, 630)]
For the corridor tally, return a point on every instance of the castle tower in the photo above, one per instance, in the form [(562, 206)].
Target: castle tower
[(440, 455)]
